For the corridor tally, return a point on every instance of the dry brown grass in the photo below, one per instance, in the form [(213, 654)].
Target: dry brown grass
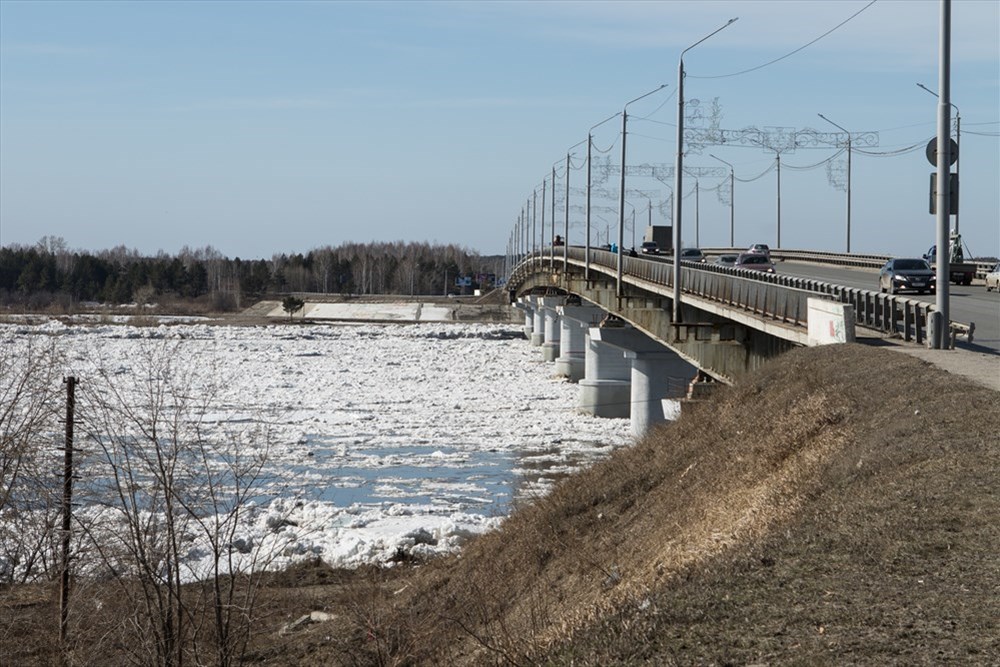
[(840, 506)]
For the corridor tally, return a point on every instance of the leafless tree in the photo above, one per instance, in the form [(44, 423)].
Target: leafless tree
[(162, 483), (29, 385)]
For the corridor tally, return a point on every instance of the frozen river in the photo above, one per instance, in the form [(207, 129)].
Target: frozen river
[(376, 437)]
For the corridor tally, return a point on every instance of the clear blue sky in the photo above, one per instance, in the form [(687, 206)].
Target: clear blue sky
[(266, 127)]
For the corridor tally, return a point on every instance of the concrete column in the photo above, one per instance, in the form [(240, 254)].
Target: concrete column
[(539, 334), (605, 389), (538, 324), (659, 381), (529, 316), (553, 331), (657, 373), (574, 322)]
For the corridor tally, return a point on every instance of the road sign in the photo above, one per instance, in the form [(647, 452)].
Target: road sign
[(953, 194), (932, 152)]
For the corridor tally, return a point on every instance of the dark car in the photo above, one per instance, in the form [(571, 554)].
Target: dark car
[(911, 273), (650, 248), (692, 255), (754, 261)]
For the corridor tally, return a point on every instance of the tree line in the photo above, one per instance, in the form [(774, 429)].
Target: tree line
[(48, 273)]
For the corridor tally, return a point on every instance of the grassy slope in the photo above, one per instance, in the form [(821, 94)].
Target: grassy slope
[(841, 506)]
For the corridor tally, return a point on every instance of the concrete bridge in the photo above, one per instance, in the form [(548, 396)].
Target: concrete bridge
[(611, 329)]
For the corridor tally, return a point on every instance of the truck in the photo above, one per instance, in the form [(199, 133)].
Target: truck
[(960, 272), (662, 236)]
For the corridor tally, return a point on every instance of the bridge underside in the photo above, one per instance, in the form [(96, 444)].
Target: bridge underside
[(722, 342)]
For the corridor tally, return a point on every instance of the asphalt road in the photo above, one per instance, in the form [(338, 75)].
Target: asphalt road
[(968, 304)]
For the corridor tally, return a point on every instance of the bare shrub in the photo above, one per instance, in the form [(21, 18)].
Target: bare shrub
[(29, 498), (162, 486)]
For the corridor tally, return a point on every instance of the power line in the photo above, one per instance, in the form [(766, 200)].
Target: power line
[(792, 53)]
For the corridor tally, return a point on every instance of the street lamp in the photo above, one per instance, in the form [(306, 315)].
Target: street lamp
[(621, 193), (632, 206), (541, 238), (732, 198), (569, 152), (552, 251), (848, 177), (678, 171), (590, 144), (958, 143)]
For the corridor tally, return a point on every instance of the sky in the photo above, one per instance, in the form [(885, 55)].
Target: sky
[(378, 436), (262, 127)]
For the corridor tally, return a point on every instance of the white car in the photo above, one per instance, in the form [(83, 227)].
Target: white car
[(993, 279)]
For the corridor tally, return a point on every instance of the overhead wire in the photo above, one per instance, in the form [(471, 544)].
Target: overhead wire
[(613, 144), (759, 176), (818, 164), (791, 53)]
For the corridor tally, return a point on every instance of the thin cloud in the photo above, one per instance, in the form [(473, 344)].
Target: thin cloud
[(49, 49)]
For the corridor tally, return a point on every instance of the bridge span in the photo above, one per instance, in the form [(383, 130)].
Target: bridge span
[(610, 328)]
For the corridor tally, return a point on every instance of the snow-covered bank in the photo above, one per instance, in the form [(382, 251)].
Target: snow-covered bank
[(381, 437)]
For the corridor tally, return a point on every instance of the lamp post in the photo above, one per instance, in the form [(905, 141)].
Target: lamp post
[(848, 177), (632, 206), (732, 198), (569, 152), (590, 144), (621, 193), (552, 248), (941, 318), (678, 172), (958, 143), (541, 238), (697, 215), (534, 226)]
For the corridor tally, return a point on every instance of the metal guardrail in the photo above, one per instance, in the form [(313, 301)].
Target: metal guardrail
[(839, 258), (776, 297)]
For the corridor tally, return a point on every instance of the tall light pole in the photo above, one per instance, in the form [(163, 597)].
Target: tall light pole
[(958, 145), (541, 238), (941, 318), (621, 192), (552, 247), (569, 152), (632, 206), (697, 215), (590, 144), (678, 172), (777, 161), (534, 226), (848, 177), (732, 199)]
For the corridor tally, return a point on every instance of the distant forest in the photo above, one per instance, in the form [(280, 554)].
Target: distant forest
[(48, 274)]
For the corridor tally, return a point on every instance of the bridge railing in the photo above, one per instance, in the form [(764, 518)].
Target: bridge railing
[(839, 258), (776, 297)]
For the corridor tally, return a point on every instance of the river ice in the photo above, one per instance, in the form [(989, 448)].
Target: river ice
[(381, 437)]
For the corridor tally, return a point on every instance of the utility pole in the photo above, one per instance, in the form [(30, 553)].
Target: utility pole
[(848, 177), (941, 318), (732, 200), (697, 215), (67, 507), (777, 158)]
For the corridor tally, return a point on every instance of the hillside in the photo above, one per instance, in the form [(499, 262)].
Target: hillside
[(841, 506)]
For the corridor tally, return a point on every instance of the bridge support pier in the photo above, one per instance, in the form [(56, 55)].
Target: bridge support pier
[(574, 322), (605, 389), (538, 322), (657, 373), (524, 304), (550, 348)]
